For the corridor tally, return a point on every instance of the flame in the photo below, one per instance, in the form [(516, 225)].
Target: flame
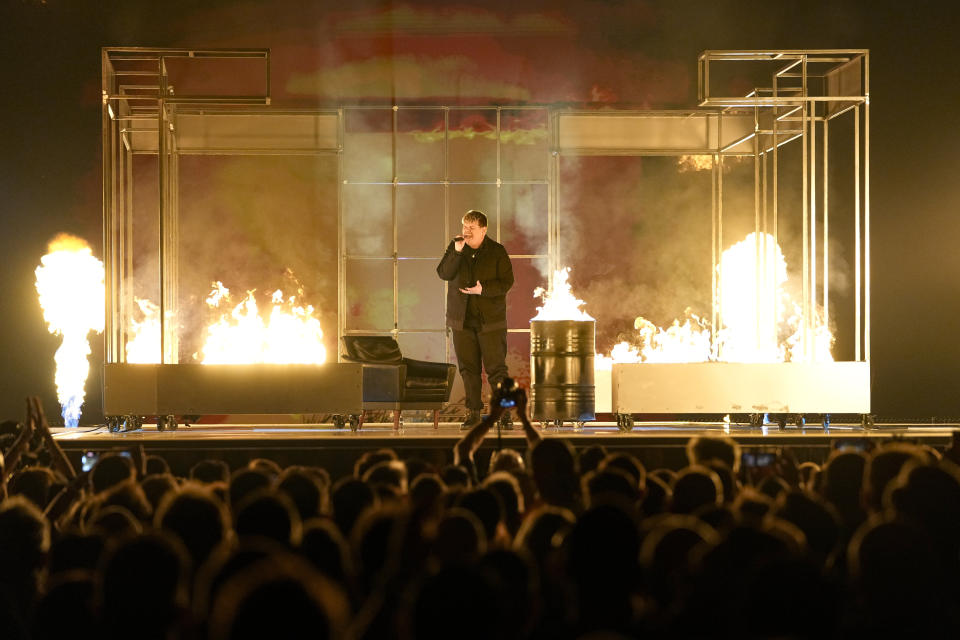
[(753, 275), (623, 351), (144, 346), (687, 342), (518, 136), (704, 162), (218, 293), (821, 339), (559, 303), (699, 162), (289, 335), (752, 300), (70, 287), (754, 306)]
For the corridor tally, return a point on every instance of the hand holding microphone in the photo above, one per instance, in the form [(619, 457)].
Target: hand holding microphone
[(458, 243)]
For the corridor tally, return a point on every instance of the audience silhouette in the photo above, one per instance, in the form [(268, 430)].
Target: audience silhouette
[(547, 543)]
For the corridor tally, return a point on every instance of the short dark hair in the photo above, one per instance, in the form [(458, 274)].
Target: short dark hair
[(209, 470), (111, 470), (701, 449), (475, 216)]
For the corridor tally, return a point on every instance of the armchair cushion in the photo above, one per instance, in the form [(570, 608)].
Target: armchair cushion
[(372, 349)]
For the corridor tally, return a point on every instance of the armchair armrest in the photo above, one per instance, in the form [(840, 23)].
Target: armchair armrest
[(383, 382)]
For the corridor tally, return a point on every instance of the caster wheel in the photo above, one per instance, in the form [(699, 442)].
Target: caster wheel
[(114, 423), (756, 419), (557, 424), (825, 421), (354, 421), (799, 421), (578, 426), (866, 421), (339, 421), (782, 422), (624, 422), (131, 423), (166, 423)]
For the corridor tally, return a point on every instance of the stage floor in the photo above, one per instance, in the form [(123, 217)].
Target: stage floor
[(603, 432), (657, 445)]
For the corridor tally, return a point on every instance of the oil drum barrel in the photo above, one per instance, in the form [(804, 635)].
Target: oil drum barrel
[(561, 369)]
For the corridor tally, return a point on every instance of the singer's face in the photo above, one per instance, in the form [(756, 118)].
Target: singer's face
[(473, 235)]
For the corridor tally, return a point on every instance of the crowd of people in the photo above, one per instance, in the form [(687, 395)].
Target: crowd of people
[(550, 542)]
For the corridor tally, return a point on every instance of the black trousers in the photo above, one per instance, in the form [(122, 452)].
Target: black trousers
[(473, 348)]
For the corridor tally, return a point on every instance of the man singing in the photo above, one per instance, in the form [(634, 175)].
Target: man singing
[(479, 273)]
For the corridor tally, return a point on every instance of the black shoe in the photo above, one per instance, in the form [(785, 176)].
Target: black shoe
[(505, 422), (473, 419)]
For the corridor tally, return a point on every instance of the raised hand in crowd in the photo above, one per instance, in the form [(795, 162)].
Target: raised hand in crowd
[(64, 500), (952, 453), (38, 421), (11, 457), (467, 445), (532, 435)]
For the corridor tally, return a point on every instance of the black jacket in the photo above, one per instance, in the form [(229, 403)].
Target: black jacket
[(492, 268)]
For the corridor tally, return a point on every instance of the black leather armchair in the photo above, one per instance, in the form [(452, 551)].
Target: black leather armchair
[(393, 382)]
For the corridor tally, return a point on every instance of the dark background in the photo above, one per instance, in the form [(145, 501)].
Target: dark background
[(636, 53)]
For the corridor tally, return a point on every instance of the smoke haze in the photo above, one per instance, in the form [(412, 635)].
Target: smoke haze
[(585, 54)]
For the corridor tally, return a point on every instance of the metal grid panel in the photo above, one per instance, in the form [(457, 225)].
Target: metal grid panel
[(419, 137)]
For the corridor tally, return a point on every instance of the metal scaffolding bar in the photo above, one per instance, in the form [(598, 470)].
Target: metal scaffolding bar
[(135, 123)]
